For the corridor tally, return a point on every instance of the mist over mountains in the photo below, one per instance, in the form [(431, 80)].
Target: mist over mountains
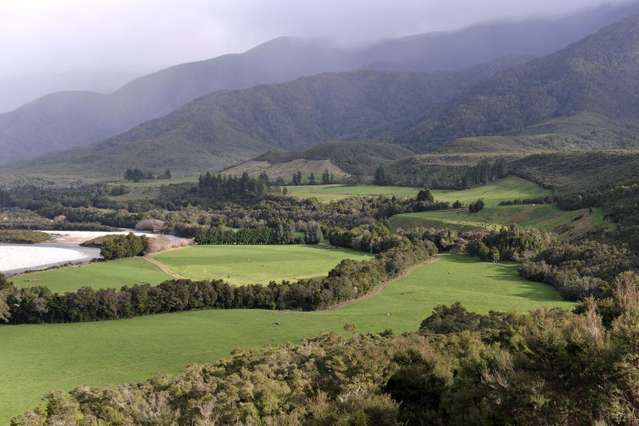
[(423, 91), (66, 120)]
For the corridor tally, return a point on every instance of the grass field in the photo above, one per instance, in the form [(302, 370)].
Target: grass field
[(255, 264), (112, 274), (546, 217), (147, 189), (509, 188), (327, 193), (236, 264), (36, 359)]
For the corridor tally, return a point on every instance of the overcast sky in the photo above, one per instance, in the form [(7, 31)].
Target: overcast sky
[(43, 36)]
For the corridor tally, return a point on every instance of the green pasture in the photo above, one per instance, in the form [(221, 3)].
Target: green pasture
[(255, 264), (328, 193), (509, 188), (97, 275), (36, 359), (546, 217), (236, 264)]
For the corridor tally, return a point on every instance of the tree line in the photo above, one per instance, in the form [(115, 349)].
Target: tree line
[(281, 233)]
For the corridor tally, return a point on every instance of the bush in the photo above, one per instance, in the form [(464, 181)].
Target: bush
[(476, 207), (121, 246)]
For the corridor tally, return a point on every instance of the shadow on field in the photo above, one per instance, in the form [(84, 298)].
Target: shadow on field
[(539, 292)]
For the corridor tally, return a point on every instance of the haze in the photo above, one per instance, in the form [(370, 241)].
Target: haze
[(99, 45)]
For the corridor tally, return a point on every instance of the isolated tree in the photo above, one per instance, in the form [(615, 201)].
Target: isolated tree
[(476, 207), (425, 195), (135, 175), (264, 179), (311, 179), (380, 176), (167, 174), (313, 234), (326, 177)]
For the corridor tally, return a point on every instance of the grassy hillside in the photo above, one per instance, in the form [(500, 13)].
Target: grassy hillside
[(255, 264), (288, 169), (36, 359), (546, 217)]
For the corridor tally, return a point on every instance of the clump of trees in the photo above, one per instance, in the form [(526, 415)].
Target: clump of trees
[(580, 270), (229, 188), (509, 243), (137, 175), (281, 233), (369, 238), (121, 246)]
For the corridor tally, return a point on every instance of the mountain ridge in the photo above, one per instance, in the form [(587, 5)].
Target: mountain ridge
[(72, 120)]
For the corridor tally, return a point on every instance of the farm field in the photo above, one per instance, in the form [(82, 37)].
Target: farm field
[(36, 359), (509, 188), (112, 274), (546, 217), (255, 264), (235, 264), (506, 189), (328, 193), (147, 189)]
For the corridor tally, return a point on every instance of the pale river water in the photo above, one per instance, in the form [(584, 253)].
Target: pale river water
[(63, 249)]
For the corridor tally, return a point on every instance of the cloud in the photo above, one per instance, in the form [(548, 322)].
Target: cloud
[(40, 36)]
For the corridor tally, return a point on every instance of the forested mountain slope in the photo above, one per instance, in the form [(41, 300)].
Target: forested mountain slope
[(599, 75), (65, 120), (72, 119), (226, 127)]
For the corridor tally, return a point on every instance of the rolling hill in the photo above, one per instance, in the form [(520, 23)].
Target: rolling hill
[(227, 127), (67, 120)]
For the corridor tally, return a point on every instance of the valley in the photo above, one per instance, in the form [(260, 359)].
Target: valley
[(438, 228)]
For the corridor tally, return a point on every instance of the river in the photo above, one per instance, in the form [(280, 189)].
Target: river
[(64, 248)]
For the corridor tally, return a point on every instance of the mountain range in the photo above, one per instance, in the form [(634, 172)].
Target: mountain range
[(598, 75), (67, 120)]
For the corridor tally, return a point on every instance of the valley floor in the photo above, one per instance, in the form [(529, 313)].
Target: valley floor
[(36, 359), (235, 264)]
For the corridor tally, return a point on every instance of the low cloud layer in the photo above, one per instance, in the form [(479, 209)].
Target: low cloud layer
[(48, 36)]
